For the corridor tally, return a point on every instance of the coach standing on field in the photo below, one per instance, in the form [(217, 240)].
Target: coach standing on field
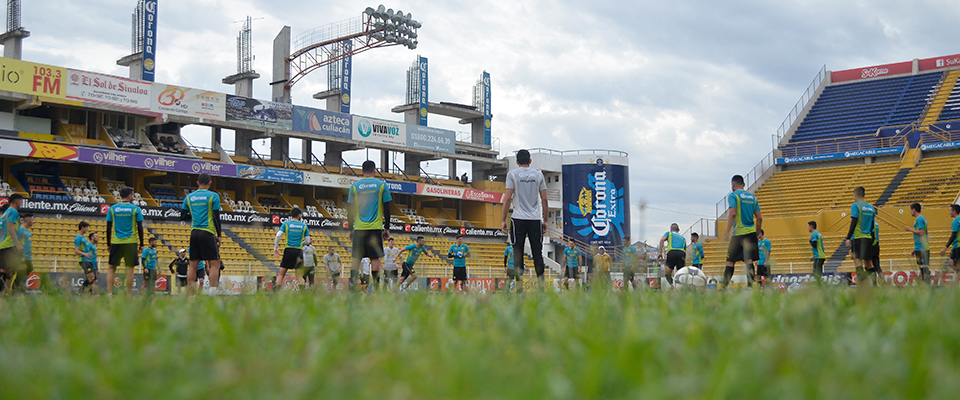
[(528, 221)]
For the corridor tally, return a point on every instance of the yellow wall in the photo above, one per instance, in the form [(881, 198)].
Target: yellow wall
[(838, 221)]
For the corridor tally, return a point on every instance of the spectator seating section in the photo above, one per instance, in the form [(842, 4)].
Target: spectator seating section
[(951, 110), (811, 190), (123, 139), (237, 260), (167, 196), (332, 209), (935, 181), (46, 187)]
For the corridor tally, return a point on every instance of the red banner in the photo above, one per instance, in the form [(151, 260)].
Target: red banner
[(927, 64), (877, 71), (475, 285)]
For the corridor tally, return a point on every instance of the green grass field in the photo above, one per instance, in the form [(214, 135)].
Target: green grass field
[(838, 343)]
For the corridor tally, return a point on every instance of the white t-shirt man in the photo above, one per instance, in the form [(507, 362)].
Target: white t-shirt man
[(365, 266), (526, 183), (332, 261), (309, 256), (390, 258)]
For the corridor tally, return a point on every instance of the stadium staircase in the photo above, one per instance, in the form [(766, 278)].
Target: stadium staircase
[(944, 91), (266, 262)]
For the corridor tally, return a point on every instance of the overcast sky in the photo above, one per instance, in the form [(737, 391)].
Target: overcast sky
[(692, 90)]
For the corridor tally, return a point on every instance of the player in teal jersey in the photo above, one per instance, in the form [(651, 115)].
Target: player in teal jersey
[(369, 219), (744, 219), (408, 274), (459, 253), (149, 259), (921, 242), (819, 256), (953, 242), (25, 268), (573, 260), (10, 247), (514, 276), (297, 233), (763, 265), (121, 242), (676, 246), (860, 236), (202, 208), (84, 249), (698, 255), (631, 261)]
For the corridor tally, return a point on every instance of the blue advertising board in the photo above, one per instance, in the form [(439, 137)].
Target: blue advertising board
[(323, 122), (940, 146), (402, 187), (269, 174), (423, 90), (596, 206), (842, 155), (346, 66), (487, 114), (422, 137), (149, 41)]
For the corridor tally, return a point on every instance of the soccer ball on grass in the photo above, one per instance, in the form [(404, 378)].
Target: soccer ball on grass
[(689, 278)]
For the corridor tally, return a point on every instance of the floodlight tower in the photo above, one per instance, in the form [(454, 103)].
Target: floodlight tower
[(243, 79), (12, 39)]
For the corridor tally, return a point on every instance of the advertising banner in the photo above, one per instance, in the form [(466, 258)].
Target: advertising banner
[(323, 122), (31, 78), (235, 285), (106, 89), (905, 67), (483, 195), (20, 148), (346, 69), (940, 146), (596, 207), (424, 103), (155, 162), (434, 139), (149, 40), (188, 102), (487, 113), (330, 180), (60, 207), (259, 113), (474, 285), (379, 131), (403, 187), (927, 64), (269, 174), (443, 191), (836, 156)]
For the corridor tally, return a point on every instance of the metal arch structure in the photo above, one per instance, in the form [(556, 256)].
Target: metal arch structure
[(323, 46)]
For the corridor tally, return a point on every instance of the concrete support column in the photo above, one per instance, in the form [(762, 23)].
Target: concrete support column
[(452, 168), (243, 143), (307, 151), (13, 43), (479, 173), (215, 139), (333, 157), (384, 160), (279, 145), (476, 131), (281, 70), (411, 164)]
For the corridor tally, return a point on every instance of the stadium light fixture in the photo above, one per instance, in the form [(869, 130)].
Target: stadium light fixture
[(369, 11), (397, 16)]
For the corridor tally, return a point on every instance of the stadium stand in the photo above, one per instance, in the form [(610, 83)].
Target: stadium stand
[(810, 190), (933, 181)]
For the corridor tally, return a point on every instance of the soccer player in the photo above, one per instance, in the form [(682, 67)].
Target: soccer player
[(179, 267), (296, 232), (309, 264), (26, 239), (819, 256), (603, 261), (876, 274), (202, 208), (763, 266), (121, 243), (953, 241), (369, 218), (10, 246), (459, 253), (365, 270), (407, 273), (527, 193), (743, 217), (334, 265), (698, 255), (860, 235), (921, 242), (390, 273), (86, 256), (630, 264), (514, 275), (676, 251), (201, 272), (573, 257), (149, 259)]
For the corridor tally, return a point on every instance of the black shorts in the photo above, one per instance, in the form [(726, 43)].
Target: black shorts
[(292, 258), (459, 273), (955, 254), (203, 246), (364, 279), (676, 259), (9, 259), (923, 257), (875, 256), (391, 273), (88, 267), (743, 248), (818, 266), (572, 272), (407, 270), (513, 274), (368, 244), (862, 249), (201, 273), (126, 252), (762, 270)]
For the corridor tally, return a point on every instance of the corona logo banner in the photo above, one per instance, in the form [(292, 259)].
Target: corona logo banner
[(596, 206)]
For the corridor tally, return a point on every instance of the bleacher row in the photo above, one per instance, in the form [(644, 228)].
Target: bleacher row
[(934, 182), (253, 255)]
